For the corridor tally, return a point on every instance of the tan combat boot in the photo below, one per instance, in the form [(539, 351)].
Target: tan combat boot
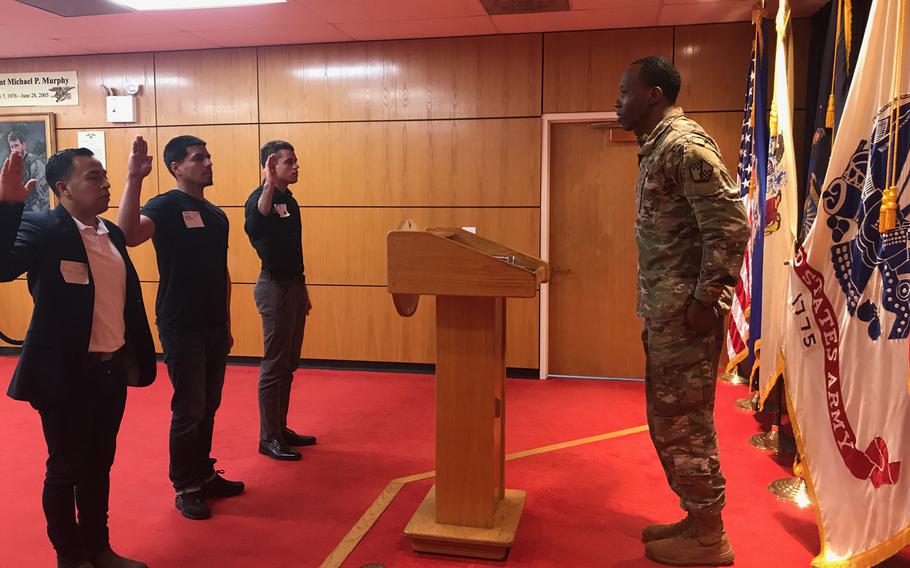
[(659, 532), (703, 543)]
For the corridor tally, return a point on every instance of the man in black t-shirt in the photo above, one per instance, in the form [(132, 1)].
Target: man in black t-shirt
[(191, 239), (273, 225)]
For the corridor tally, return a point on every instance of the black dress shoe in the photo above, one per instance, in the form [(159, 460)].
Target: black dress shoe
[(278, 450), (295, 439), (218, 486), (193, 506)]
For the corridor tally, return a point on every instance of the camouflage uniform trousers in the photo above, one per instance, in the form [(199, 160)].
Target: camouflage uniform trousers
[(680, 379)]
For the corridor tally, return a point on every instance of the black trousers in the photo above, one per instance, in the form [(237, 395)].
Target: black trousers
[(81, 435), (196, 362), (282, 304)]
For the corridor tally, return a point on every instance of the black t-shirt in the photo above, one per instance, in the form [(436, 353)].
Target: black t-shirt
[(276, 236), (191, 241)]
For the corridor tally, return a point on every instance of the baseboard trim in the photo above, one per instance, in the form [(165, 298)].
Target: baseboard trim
[(340, 365)]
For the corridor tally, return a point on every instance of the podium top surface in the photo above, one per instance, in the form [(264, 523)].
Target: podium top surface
[(446, 261)]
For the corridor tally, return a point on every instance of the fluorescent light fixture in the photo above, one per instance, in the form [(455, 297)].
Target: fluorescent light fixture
[(190, 4)]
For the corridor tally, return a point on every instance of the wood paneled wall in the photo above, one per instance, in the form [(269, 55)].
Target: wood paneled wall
[(443, 131)]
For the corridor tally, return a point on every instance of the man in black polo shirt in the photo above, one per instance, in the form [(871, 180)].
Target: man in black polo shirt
[(191, 239), (273, 225)]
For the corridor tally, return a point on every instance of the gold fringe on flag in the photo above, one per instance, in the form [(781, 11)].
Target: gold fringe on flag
[(824, 559)]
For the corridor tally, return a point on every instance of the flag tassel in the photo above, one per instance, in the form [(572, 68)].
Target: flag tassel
[(887, 220)]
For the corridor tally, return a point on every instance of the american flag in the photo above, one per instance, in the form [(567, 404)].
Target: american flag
[(749, 152)]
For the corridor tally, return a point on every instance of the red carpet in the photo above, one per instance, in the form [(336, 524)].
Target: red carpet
[(585, 504)]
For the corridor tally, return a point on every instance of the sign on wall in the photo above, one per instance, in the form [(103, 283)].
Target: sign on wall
[(94, 141), (40, 88)]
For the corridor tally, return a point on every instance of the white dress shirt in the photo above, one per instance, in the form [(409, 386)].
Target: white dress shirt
[(109, 274)]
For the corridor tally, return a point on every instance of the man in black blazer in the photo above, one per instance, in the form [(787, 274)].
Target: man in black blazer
[(88, 339)]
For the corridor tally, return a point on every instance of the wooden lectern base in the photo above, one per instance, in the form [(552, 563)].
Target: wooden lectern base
[(492, 544)]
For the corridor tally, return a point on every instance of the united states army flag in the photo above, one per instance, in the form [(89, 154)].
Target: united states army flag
[(780, 210), (848, 317)]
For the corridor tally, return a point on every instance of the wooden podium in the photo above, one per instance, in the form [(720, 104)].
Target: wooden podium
[(469, 512)]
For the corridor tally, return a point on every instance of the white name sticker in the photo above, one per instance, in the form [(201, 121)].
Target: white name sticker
[(192, 220), (74, 272), (282, 210)]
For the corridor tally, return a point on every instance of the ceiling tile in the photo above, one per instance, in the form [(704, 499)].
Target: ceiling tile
[(477, 25), (310, 21), (275, 36), (697, 1), (242, 18), (107, 43), (704, 13), (45, 24), (578, 20), (349, 11), (606, 4), (22, 44)]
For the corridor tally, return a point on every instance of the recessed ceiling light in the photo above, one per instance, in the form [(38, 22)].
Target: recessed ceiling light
[(190, 4)]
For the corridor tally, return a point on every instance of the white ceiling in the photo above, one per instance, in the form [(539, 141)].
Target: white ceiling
[(29, 32)]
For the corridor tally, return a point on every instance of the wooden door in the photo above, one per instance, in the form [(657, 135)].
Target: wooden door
[(594, 331)]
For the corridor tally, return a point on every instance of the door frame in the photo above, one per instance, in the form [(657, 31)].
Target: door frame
[(547, 121)]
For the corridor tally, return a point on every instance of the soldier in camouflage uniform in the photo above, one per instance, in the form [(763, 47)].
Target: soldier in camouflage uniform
[(38, 199), (691, 230)]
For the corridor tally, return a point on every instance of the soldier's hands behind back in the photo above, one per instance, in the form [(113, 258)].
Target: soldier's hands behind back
[(699, 318)]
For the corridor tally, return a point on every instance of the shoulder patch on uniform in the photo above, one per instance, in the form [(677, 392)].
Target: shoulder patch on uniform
[(701, 171)]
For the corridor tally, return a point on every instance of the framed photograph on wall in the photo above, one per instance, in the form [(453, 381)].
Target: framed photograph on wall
[(33, 136)]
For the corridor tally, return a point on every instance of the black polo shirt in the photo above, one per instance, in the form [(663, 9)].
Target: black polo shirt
[(276, 236), (191, 242)]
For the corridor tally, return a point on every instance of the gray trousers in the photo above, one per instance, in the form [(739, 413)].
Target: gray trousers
[(282, 304)]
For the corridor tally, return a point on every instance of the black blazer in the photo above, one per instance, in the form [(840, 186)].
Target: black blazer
[(56, 345)]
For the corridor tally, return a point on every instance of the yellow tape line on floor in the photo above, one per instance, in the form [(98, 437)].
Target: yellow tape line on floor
[(350, 541)]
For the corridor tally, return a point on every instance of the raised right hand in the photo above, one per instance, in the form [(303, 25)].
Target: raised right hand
[(270, 172), (139, 164), (11, 188)]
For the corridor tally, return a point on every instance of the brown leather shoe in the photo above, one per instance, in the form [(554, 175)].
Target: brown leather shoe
[(659, 532), (703, 543), (107, 558)]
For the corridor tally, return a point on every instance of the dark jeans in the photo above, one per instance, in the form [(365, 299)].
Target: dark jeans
[(81, 435), (282, 303), (196, 362)]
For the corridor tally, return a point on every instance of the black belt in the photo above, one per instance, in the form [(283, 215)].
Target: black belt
[(102, 356)]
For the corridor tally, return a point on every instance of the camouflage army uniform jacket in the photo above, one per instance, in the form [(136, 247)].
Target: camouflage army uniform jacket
[(691, 228), (33, 169)]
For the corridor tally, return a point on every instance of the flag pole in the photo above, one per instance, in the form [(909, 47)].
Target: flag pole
[(792, 489), (732, 375), (770, 440)]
